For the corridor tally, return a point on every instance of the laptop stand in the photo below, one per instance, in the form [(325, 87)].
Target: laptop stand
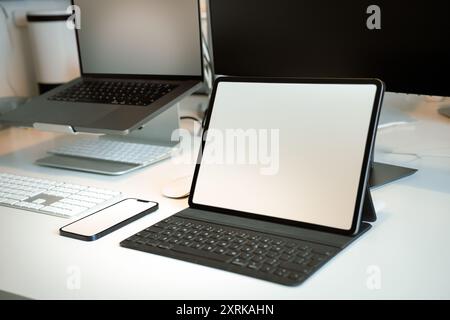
[(158, 131)]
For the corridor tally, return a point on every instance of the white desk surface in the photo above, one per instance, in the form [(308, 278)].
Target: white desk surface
[(408, 244)]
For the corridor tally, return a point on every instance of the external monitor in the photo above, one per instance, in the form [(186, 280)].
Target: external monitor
[(403, 42)]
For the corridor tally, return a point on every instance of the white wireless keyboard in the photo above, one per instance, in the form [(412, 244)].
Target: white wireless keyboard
[(51, 197), (117, 151)]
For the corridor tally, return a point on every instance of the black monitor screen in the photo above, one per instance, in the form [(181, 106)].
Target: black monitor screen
[(405, 43)]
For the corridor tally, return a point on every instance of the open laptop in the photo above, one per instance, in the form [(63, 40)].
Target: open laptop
[(266, 199), (137, 59)]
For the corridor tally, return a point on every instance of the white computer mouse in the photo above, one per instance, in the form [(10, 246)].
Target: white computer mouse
[(178, 188)]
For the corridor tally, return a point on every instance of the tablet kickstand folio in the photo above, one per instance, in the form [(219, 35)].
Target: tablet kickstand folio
[(283, 218)]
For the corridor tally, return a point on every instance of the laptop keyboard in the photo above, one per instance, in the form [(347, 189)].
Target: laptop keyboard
[(139, 93), (277, 259)]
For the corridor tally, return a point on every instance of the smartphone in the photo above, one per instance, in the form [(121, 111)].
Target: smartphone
[(109, 219)]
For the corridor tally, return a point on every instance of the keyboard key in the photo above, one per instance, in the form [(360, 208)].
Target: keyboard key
[(272, 254), (239, 262), (16, 197), (258, 258), (94, 195), (267, 268), (168, 220), (57, 211), (285, 257), (232, 253), (78, 203), (296, 276), (245, 256), (323, 251), (291, 266), (254, 265), (303, 254), (288, 250), (220, 250), (185, 243), (165, 246), (8, 201), (235, 246), (259, 251), (200, 239), (151, 242), (201, 253), (70, 207), (29, 205), (291, 244), (155, 229), (86, 199), (281, 272)]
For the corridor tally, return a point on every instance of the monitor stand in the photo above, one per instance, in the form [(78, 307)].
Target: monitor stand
[(158, 131)]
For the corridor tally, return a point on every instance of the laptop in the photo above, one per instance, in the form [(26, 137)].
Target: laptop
[(280, 186), (137, 59)]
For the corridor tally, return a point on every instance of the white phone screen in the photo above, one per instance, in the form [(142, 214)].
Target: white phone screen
[(104, 219)]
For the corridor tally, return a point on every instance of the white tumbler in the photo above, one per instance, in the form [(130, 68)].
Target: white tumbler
[(54, 48)]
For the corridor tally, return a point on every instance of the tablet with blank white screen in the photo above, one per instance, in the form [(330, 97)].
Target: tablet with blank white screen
[(289, 150)]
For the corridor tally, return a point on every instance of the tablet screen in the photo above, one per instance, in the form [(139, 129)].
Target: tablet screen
[(293, 151)]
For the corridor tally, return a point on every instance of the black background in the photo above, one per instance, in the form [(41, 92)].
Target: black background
[(329, 38)]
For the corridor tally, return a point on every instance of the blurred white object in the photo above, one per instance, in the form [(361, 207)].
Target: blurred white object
[(54, 49)]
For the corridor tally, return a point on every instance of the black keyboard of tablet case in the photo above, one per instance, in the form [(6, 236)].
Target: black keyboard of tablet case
[(261, 255)]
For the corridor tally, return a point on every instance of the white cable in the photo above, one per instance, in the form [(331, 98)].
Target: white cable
[(418, 156), (207, 63), (8, 57)]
